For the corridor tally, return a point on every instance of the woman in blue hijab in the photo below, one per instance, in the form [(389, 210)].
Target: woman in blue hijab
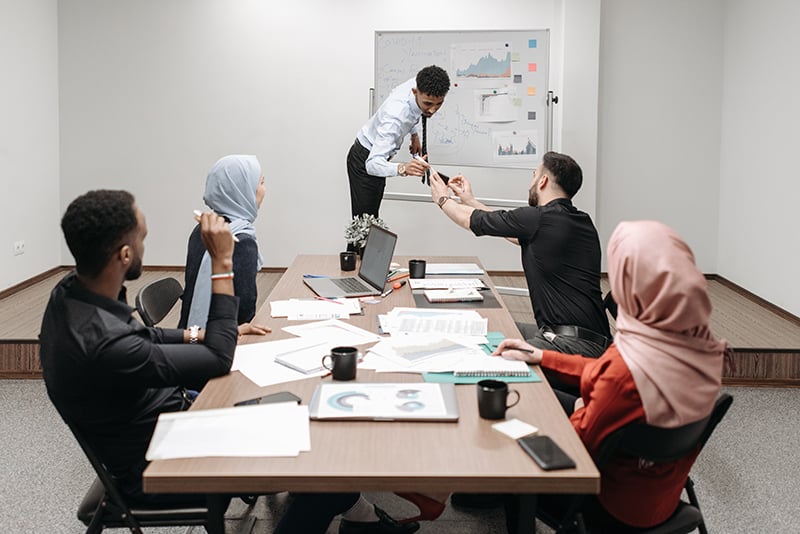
[(234, 189)]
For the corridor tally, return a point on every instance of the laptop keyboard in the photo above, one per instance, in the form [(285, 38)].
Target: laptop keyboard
[(351, 285)]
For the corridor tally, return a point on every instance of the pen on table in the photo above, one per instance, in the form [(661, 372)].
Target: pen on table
[(198, 213), (386, 293), (398, 285), (398, 277), (329, 300)]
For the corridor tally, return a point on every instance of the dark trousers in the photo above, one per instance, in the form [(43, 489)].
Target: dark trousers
[(564, 344), (312, 513), (366, 191)]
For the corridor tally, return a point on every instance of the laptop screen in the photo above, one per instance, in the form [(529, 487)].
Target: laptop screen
[(378, 252)]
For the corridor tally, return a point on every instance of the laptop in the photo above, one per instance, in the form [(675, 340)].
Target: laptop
[(376, 401), (371, 277)]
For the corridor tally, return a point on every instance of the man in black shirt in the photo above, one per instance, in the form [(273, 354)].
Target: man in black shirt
[(111, 377), (560, 253)]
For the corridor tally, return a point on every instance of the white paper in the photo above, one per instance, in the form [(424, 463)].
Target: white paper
[(414, 317), (279, 429), (257, 360), (453, 268), (515, 429), (418, 354), (334, 332), (445, 283), (315, 309)]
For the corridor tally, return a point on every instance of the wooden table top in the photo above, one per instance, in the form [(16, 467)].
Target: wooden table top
[(468, 456)]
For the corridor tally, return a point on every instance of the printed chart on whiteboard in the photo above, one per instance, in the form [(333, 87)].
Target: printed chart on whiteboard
[(495, 113)]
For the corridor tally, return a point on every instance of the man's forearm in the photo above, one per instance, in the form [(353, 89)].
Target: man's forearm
[(458, 213)]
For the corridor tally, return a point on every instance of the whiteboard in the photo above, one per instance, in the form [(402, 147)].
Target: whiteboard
[(495, 112)]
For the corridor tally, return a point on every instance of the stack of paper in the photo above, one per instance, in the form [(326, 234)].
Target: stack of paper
[(261, 362), (315, 309), (261, 430), (445, 283), (461, 323)]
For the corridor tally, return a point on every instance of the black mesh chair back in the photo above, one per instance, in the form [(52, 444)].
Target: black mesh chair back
[(659, 445), (610, 305), (155, 300)]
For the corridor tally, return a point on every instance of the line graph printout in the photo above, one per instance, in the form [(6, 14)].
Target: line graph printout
[(481, 60), (495, 113)]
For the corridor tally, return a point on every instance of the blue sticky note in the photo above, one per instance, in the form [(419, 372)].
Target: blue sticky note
[(531, 43)]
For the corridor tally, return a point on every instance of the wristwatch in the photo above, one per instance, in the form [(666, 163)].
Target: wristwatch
[(194, 334), (401, 169), (442, 200)]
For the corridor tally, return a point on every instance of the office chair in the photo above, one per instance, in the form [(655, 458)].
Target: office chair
[(610, 305), (659, 445), (103, 506), (155, 300)]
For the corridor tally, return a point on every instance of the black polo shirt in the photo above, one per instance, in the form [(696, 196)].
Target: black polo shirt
[(561, 259)]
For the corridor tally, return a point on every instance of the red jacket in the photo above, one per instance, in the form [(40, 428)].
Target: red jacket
[(632, 490)]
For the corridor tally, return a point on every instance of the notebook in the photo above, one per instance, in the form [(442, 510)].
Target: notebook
[(374, 401), (371, 277)]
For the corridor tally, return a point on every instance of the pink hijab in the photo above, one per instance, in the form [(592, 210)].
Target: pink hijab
[(662, 323)]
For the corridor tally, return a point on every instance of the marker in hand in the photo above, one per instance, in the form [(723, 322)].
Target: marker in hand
[(420, 158), (198, 214)]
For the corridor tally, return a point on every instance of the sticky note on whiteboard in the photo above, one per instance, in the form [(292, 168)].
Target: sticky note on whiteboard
[(531, 67), (531, 90), (531, 43)]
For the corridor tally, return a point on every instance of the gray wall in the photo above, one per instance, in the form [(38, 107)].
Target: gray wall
[(29, 170), (669, 106), (659, 138), (759, 245)]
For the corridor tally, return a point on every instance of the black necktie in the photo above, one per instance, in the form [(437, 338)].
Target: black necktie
[(426, 176)]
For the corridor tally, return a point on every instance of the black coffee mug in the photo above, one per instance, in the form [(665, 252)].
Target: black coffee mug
[(347, 261), (492, 397), (344, 361), (416, 268)]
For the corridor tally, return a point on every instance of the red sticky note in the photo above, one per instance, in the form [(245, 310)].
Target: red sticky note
[(531, 67)]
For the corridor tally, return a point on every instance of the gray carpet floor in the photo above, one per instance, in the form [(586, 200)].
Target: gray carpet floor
[(747, 478)]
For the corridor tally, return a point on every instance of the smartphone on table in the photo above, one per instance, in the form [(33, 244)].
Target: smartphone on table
[(281, 396), (545, 452)]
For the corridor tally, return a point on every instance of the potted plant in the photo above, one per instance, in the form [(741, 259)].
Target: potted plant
[(356, 231)]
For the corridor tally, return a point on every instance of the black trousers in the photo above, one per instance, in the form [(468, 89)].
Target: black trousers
[(312, 513), (366, 191), (564, 344)]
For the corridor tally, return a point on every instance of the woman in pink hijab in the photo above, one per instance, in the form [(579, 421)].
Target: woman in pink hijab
[(664, 369)]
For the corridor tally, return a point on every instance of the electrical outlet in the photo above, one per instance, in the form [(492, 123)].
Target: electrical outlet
[(19, 248)]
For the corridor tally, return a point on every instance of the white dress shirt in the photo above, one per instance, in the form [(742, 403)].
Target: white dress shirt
[(383, 134)]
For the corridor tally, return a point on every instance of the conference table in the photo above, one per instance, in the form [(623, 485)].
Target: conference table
[(347, 456)]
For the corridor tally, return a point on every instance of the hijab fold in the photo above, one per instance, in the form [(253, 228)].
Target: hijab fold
[(230, 192), (663, 317)]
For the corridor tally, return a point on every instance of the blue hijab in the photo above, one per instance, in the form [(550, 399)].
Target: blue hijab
[(230, 192)]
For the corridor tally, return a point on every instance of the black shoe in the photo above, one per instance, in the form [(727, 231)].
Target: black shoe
[(384, 525), (481, 501)]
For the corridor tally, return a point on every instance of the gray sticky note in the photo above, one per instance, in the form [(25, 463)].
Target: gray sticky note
[(518, 78), (531, 115)]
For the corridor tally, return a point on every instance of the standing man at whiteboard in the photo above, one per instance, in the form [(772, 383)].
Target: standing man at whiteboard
[(369, 160), (560, 253)]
